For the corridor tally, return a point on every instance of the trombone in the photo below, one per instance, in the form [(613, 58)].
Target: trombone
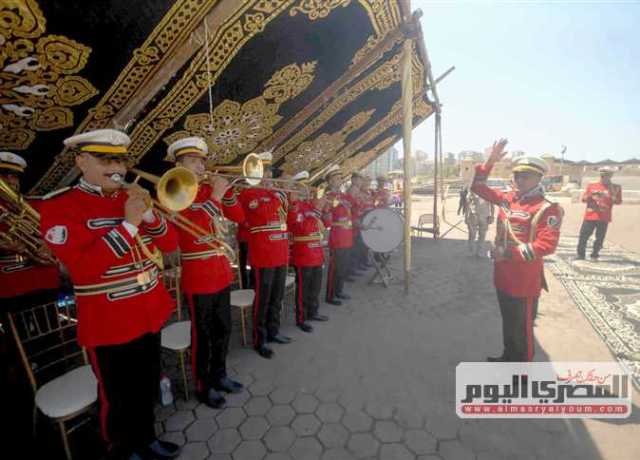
[(176, 189), (252, 172)]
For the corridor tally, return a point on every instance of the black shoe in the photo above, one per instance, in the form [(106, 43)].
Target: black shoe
[(162, 450), (211, 398), (342, 296), (318, 317), (335, 302), (497, 359), (228, 386), (594, 256), (580, 257), (265, 352), (305, 327), (279, 338)]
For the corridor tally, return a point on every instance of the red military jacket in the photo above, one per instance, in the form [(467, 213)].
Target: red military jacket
[(306, 227), (338, 215), (206, 270), (118, 289), (528, 228), (243, 233), (367, 202), (357, 207), (265, 213), (382, 198), (600, 199), (19, 275)]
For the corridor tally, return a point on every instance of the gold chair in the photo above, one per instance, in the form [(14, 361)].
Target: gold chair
[(243, 300), (177, 335), (62, 381)]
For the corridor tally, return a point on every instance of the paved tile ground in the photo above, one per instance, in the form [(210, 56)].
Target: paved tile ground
[(377, 380)]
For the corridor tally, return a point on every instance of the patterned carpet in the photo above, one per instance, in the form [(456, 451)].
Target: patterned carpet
[(608, 293)]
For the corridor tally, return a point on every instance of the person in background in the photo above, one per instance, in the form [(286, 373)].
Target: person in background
[(478, 215), (600, 198), (24, 283), (338, 213), (306, 227), (265, 211), (462, 203)]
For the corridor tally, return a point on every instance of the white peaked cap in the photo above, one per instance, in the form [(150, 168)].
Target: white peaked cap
[(100, 141), (189, 145), (11, 161), (302, 175), (266, 156)]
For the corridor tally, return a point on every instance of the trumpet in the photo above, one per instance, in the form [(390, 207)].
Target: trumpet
[(23, 227), (176, 189)]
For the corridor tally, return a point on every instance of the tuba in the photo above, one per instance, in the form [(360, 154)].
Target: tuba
[(22, 232)]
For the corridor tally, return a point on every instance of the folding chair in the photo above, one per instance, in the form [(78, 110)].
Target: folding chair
[(427, 223), (62, 381), (177, 335)]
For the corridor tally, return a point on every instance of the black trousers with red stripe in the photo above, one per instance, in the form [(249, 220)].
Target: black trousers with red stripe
[(269, 288), (518, 314), (308, 285), (210, 334), (128, 384), (245, 273), (339, 263)]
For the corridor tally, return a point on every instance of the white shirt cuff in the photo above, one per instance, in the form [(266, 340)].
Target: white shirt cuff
[(149, 217), (131, 229)]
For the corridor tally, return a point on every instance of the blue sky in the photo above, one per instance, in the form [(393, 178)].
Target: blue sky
[(542, 73)]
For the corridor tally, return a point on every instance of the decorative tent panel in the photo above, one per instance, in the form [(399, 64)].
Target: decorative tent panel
[(314, 81)]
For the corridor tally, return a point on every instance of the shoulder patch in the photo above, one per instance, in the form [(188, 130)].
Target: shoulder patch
[(55, 193)]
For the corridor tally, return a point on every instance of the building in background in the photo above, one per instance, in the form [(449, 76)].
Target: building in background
[(386, 162)]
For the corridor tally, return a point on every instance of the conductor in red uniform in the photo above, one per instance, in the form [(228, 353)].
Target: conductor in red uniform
[(528, 229), (305, 223), (337, 213), (600, 198), (265, 210), (110, 239), (207, 274)]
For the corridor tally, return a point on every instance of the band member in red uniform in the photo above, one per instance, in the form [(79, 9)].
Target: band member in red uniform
[(110, 240), (355, 196), (243, 256), (306, 227), (24, 283), (20, 276), (338, 214), (266, 218), (528, 229), (382, 196), (600, 198), (207, 274), (367, 203)]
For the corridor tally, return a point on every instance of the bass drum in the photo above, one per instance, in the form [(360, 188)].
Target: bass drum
[(382, 230)]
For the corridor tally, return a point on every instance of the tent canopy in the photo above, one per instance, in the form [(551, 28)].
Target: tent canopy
[(316, 82)]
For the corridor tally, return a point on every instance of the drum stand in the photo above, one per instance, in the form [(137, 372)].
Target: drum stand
[(383, 272)]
